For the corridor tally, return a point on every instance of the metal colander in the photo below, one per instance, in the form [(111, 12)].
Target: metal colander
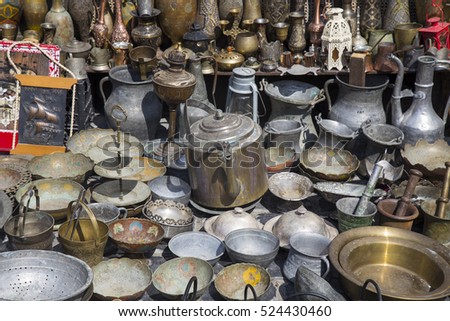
[(37, 275)]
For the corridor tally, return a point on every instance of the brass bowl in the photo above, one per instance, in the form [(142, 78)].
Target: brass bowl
[(391, 256), (136, 235), (228, 60), (61, 165), (246, 43), (231, 281), (172, 277)]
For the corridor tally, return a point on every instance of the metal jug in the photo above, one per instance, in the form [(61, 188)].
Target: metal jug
[(354, 104)]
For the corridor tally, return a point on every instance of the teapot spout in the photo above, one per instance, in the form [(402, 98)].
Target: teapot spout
[(397, 114)]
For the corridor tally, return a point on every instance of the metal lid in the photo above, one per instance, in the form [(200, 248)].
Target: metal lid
[(223, 127), (292, 91), (76, 46)]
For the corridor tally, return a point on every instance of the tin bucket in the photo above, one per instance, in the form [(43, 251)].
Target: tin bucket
[(84, 238), (346, 220)]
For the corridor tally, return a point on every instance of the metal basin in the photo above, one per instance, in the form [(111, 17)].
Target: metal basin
[(290, 186), (329, 164), (390, 257), (252, 245), (135, 235), (232, 280), (172, 277), (428, 158), (38, 275), (121, 279), (197, 244)]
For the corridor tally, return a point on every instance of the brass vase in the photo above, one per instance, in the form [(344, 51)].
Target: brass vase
[(11, 11), (226, 5), (397, 12), (371, 17), (208, 17), (252, 10), (176, 17), (59, 16), (297, 42), (33, 15), (119, 31), (147, 33)]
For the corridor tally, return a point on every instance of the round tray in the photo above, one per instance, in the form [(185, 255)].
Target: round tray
[(133, 192)]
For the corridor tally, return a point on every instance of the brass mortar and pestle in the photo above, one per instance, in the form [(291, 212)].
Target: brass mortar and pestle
[(437, 213), (400, 213)]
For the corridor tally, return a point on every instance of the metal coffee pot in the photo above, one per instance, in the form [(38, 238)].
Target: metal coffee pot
[(225, 158), (420, 121)]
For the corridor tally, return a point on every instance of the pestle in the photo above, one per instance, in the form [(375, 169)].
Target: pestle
[(442, 201), (369, 190), (402, 205)]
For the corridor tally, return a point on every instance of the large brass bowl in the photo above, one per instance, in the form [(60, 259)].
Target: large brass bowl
[(406, 265)]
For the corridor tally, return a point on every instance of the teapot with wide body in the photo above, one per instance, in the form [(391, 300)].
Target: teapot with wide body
[(225, 158)]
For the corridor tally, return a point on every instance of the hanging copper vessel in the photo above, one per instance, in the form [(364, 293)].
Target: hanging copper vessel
[(119, 32), (315, 27), (100, 29)]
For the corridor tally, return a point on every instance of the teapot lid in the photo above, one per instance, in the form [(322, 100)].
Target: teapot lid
[(224, 127), (76, 46)]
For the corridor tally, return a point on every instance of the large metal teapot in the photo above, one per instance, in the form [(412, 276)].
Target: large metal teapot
[(225, 159), (420, 121)]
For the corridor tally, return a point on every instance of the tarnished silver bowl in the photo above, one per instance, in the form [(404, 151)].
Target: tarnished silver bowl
[(250, 245), (197, 244)]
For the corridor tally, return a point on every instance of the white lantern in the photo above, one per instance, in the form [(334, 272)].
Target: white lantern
[(336, 38)]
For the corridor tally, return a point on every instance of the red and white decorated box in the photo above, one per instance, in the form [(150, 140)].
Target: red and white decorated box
[(31, 61)]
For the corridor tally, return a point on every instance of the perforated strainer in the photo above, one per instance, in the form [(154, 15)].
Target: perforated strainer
[(36, 275)]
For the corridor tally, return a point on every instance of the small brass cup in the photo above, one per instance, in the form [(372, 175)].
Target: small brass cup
[(9, 31)]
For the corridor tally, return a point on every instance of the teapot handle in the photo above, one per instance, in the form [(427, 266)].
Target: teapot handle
[(327, 93), (102, 92)]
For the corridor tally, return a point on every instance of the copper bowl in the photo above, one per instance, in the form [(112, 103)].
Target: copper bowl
[(391, 256)]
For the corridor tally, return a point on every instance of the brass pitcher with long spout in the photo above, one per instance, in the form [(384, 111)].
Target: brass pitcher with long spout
[(420, 121)]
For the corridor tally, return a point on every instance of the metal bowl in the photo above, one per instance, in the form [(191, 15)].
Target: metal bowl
[(135, 235), (83, 140), (13, 177), (229, 221), (172, 277), (429, 158), (280, 159), (174, 217), (390, 257), (329, 164), (38, 275), (105, 212), (334, 191), (170, 188), (197, 244), (61, 165), (290, 186), (232, 280), (55, 195), (151, 169), (250, 245), (121, 279)]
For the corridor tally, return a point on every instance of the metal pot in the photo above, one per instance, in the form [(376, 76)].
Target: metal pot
[(225, 158)]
